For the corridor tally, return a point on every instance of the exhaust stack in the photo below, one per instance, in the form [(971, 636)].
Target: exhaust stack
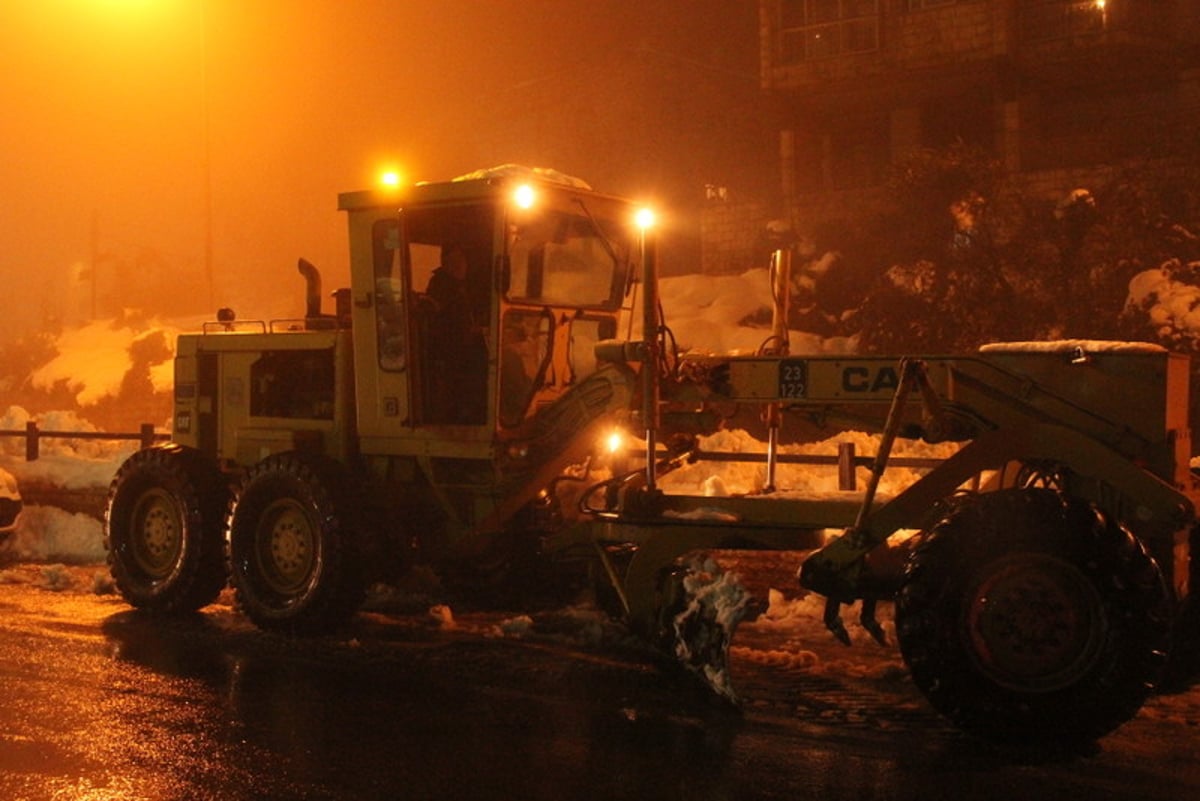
[(312, 289)]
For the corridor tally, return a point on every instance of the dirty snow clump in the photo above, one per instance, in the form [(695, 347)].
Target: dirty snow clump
[(716, 603)]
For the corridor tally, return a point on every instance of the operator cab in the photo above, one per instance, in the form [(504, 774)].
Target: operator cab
[(486, 302)]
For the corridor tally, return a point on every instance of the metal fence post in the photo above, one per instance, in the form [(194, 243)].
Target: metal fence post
[(147, 435), (847, 480), (31, 441)]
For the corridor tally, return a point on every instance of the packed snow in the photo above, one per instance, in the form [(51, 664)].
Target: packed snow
[(521, 172), (1072, 346)]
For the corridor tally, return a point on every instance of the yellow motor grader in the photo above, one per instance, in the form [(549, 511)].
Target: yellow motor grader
[(450, 411)]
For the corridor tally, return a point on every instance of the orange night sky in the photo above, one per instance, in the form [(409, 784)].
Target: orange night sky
[(105, 103)]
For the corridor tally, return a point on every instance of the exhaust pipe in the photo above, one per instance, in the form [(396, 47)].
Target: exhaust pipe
[(312, 289)]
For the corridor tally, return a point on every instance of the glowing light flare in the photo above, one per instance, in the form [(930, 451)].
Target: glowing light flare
[(645, 218), (614, 442), (524, 196), (127, 6), (132, 19), (389, 179)]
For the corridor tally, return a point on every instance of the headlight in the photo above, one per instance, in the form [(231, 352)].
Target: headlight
[(524, 196)]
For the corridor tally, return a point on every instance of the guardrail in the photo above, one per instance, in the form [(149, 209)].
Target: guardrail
[(846, 460), (34, 435)]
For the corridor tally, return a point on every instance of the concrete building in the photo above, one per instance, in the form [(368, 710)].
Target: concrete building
[(1058, 90)]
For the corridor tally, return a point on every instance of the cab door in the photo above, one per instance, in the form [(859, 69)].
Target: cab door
[(404, 356)]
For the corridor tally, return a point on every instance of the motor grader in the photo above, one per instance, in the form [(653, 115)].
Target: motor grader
[(1041, 595)]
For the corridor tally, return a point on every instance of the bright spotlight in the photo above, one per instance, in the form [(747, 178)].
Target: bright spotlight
[(524, 196)]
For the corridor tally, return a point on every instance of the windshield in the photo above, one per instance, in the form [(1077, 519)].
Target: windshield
[(567, 258)]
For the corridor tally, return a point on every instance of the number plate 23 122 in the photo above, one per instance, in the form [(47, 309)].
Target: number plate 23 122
[(793, 378)]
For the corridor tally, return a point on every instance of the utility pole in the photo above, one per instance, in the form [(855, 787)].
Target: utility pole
[(207, 163)]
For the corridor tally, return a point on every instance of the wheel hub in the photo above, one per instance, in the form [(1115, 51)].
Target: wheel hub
[(158, 529), (287, 548), (1034, 622)]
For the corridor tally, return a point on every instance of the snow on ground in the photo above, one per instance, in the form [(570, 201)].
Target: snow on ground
[(57, 577)]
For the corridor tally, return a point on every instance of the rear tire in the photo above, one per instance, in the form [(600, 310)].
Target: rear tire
[(292, 553), (163, 529), (1029, 618)]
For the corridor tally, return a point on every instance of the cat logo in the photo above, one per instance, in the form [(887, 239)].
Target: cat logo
[(862, 378)]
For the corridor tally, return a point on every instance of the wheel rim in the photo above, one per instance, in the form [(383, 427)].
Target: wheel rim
[(157, 529), (286, 546), (1035, 623)]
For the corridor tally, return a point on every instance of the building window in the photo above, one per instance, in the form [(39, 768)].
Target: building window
[(1041, 20), (815, 29)]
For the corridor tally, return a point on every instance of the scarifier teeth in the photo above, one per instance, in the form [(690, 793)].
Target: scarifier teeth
[(833, 621)]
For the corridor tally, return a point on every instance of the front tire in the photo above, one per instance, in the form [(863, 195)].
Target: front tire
[(163, 529), (292, 553), (1026, 617)]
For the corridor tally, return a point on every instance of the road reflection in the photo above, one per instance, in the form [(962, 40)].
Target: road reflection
[(442, 717)]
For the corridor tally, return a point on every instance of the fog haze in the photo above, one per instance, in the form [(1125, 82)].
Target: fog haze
[(110, 106)]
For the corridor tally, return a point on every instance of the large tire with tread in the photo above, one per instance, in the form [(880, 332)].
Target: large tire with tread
[(163, 529), (294, 559), (1029, 618)]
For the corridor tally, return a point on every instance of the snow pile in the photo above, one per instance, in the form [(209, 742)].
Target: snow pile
[(517, 627), (703, 629), (442, 617), (712, 479), (47, 533), (582, 625), (732, 314), (93, 361), (1172, 305)]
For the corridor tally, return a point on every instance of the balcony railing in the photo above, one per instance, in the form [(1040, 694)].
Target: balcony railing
[(815, 29)]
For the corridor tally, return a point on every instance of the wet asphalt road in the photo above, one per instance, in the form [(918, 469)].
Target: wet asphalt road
[(101, 702)]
